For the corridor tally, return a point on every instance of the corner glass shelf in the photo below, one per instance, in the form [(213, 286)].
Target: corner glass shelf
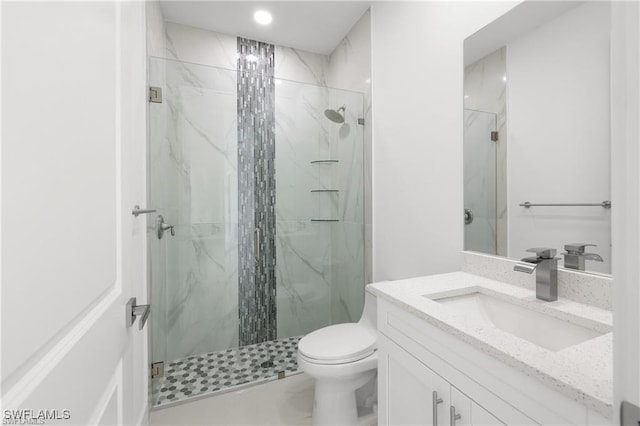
[(325, 190), (325, 220), (324, 161)]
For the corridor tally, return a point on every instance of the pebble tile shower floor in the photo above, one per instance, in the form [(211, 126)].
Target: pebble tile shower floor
[(216, 372)]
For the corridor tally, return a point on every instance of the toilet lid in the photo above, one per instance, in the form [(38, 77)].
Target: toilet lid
[(339, 343)]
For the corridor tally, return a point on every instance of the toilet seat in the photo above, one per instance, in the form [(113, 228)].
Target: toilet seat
[(338, 344)]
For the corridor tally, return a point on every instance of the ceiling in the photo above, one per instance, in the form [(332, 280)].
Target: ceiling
[(314, 26)]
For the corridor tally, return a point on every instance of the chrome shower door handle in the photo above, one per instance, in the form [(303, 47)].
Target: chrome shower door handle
[(133, 311), (138, 211), (435, 402)]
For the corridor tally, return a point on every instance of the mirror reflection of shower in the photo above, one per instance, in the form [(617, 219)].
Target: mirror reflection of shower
[(335, 115)]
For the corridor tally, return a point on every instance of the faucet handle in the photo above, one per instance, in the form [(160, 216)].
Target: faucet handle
[(543, 252), (577, 248)]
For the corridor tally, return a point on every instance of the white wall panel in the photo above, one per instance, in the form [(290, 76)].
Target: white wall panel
[(59, 133), (417, 74)]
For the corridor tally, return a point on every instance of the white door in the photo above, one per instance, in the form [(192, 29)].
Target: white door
[(625, 180), (73, 141)]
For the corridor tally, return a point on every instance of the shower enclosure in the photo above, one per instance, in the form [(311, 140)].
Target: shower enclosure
[(265, 197), (480, 180)]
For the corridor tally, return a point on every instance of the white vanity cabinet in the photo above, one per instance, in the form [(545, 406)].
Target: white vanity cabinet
[(417, 359), (413, 394)]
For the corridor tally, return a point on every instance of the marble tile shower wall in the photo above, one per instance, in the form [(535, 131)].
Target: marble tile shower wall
[(349, 68), (314, 261), (303, 250), (480, 180), (193, 157), (316, 272)]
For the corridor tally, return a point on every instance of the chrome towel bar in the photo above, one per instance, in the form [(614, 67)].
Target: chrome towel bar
[(606, 204)]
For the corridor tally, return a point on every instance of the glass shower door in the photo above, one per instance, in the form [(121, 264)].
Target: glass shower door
[(480, 153), (237, 285), (319, 208), (193, 185)]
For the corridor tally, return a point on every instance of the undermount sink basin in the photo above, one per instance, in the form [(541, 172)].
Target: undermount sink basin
[(536, 327)]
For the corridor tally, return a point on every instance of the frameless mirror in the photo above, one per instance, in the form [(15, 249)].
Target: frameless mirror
[(536, 133)]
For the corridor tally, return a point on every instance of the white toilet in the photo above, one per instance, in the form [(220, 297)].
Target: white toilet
[(343, 360)]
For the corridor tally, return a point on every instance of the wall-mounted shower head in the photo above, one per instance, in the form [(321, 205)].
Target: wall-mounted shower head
[(335, 115)]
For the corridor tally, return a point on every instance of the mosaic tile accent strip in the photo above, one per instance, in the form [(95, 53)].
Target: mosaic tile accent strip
[(221, 371), (257, 191)]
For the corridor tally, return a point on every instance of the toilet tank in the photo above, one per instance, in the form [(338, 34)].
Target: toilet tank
[(369, 316)]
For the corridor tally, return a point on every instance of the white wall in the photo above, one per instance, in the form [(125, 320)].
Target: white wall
[(417, 73), (558, 125)]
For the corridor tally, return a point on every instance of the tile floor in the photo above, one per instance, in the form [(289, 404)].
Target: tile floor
[(218, 372), (280, 402)]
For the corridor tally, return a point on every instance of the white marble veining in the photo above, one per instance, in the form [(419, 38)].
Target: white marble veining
[(591, 289), (348, 275), (349, 68), (582, 372), (319, 264), (298, 65), (200, 46), (193, 158), (480, 181), (349, 64)]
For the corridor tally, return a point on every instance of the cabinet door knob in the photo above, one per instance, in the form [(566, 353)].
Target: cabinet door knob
[(436, 401), (454, 416)]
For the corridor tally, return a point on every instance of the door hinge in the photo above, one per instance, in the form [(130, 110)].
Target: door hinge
[(629, 414), (157, 369), (155, 94), (361, 121), (494, 136)]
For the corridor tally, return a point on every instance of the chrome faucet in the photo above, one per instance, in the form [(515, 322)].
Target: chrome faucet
[(545, 264), (575, 256)]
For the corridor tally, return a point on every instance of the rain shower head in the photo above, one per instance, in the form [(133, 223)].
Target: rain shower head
[(335, 115)]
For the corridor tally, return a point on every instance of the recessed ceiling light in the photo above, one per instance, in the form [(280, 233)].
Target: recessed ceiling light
[(262, 17)]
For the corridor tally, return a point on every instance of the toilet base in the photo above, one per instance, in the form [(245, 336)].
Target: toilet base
[(335, 400)]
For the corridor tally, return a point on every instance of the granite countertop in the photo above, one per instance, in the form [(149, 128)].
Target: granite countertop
[(582, 372)]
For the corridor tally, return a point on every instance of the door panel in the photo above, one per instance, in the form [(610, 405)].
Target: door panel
[(409, 391), (481, 417), (72, 168), (462, 405), (58, 143), (625, 183)]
